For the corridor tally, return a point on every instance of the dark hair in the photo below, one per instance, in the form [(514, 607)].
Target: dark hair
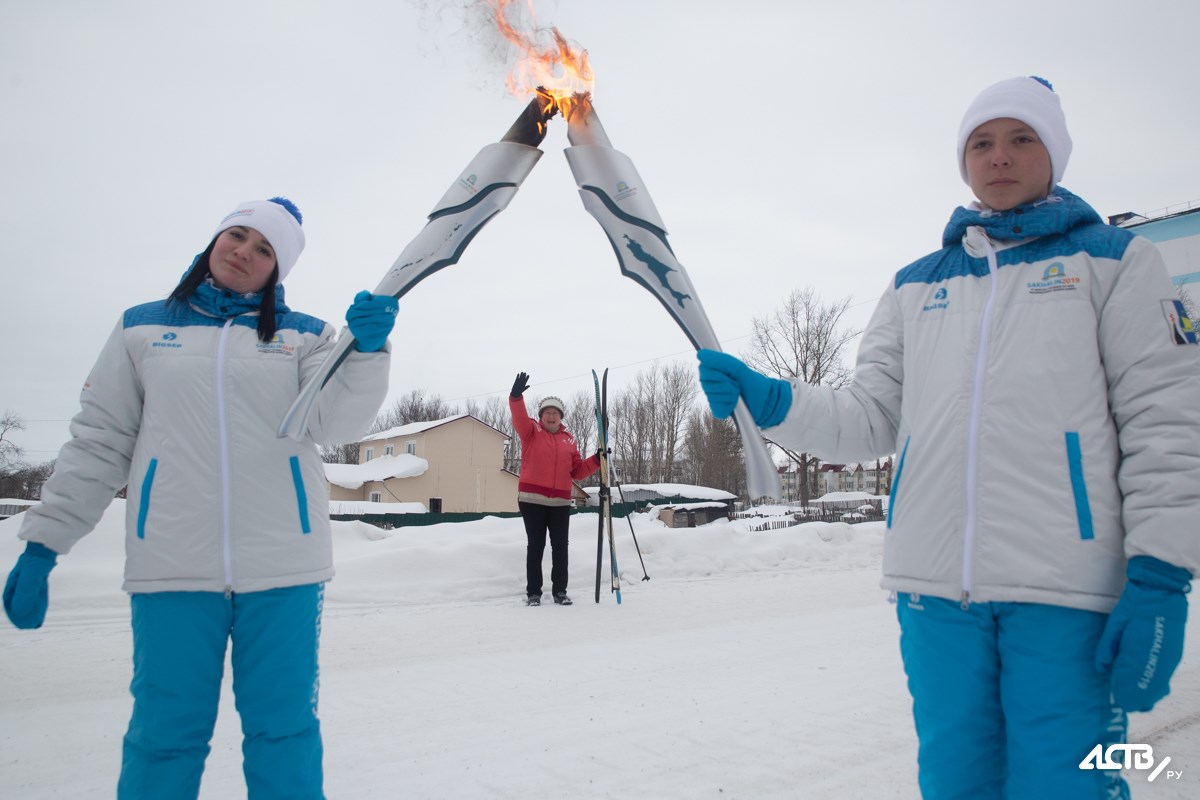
[(199, 271)]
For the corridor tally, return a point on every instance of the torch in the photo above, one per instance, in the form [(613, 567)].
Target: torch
[(614, 194), (481, 191)]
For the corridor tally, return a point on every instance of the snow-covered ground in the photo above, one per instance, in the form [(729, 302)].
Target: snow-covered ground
[(751, 665)]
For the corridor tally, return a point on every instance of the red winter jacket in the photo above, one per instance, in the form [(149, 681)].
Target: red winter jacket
[(549, 461)]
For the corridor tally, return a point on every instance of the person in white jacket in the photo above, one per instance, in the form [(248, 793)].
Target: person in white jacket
[(227, 527), (1037, 378)]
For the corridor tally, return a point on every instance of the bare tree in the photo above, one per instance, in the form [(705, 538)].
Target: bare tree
[(25, 481), (493, 411), (580, 417), (713, 451), (803, 339), (679, 390), (631, 433), (340, 453), (10, 452), (647, 422), (414, 406)]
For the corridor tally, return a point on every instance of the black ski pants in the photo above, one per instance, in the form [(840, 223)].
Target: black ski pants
[(538, 520)]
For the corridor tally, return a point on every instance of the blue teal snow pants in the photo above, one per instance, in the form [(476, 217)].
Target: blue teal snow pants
[(1006, 700), (179, 643)]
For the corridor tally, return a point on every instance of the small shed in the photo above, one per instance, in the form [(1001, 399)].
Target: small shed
[(690, 515), (11, 507)]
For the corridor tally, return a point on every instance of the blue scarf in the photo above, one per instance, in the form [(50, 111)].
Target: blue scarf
[(1058, 212)]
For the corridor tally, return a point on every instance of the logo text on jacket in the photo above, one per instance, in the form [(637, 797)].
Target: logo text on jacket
[(1054, 279)]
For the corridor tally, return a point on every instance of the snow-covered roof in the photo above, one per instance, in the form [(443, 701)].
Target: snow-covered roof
[(352, 507), (353, 476), (413, 428), (670, 490), (691, 506)]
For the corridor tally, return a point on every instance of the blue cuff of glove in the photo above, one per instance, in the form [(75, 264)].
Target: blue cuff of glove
[(39, 550), (775, 405), (1149, 572)]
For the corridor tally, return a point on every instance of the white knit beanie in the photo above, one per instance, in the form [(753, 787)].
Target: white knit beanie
[(278, 220), (1031, 100), (550, 401)]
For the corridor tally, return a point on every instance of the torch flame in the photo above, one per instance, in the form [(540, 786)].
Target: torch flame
[(553, 70)]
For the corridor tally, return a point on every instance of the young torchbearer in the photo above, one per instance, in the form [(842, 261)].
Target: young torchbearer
[(1036, 378)]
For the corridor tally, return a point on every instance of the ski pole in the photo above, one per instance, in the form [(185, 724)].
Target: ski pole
[(638, 547)]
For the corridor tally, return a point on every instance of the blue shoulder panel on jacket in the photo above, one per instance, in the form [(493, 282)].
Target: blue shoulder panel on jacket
[(1096, 240), (302, 323), (163, 312), (949, 262), (168, 314)]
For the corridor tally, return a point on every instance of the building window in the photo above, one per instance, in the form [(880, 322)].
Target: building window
[(388, 450), (410, 448), (374, 497), (370, 453)]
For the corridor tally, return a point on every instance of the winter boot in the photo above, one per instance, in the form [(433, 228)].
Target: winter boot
[(533, 600), (561, 599)]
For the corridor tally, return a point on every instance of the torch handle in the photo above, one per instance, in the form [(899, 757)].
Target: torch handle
[(482, 191), (614, 194)]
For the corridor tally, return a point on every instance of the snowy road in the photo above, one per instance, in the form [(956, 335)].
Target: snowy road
[(751, 666)]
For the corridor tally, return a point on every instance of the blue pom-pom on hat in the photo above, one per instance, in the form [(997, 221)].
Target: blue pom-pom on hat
[(290, 206)]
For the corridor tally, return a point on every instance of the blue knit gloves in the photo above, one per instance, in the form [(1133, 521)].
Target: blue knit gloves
[(27, 591), (725, 379), (371, 318), (1143, 640)]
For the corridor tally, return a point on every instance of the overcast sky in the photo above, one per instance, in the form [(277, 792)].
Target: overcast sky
[(785, 144)]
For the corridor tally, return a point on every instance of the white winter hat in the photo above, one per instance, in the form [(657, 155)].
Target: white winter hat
[(278, 220), (1031, 100), (550, 401)]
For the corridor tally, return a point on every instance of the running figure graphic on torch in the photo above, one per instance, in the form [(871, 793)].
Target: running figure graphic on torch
[(657, 267)]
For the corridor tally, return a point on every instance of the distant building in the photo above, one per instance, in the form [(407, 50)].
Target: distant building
[(1176, 232), (871, 477), (454, 464)]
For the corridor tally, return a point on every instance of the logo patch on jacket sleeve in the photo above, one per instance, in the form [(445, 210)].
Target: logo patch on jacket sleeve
[(1183, 327)]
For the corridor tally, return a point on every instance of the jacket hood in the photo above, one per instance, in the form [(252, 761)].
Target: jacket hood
[(1058, 212)]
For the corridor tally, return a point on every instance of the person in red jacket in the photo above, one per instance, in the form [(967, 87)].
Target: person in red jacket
[(550, 460)]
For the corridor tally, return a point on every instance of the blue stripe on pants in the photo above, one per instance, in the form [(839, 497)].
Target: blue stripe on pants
[(1006, 700), (179, 641)]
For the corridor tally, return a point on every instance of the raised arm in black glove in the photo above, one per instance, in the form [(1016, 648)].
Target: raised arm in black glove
[(520, 384)]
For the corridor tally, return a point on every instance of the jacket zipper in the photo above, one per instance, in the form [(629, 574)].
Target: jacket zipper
[(223, 443), (973, 425)]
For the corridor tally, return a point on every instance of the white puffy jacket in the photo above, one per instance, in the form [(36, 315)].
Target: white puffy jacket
[(1039, 382), (183, 405)]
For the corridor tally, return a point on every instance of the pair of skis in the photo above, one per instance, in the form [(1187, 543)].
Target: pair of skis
[(605, 493), (605, 497)]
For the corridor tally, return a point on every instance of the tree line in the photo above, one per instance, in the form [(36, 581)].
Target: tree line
[(19, 480), (660, 428)]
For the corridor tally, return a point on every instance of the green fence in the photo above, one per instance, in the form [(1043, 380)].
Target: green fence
[(416, 520)]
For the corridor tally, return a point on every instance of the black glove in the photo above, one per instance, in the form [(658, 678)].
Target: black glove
[(520, 384)]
